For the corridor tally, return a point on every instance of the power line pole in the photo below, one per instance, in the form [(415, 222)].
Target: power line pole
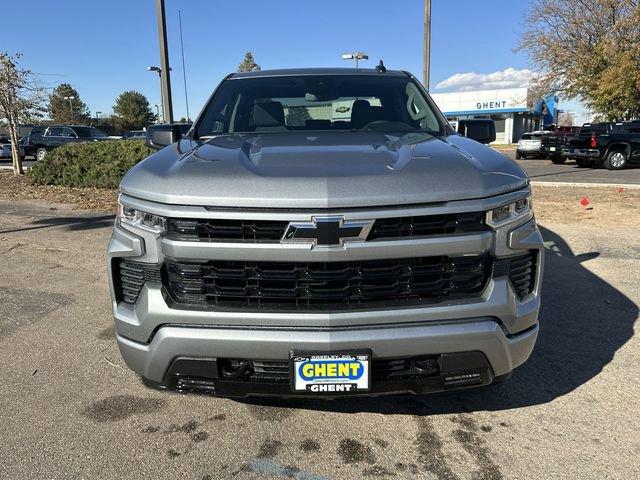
[(426, 65), (167, 106)]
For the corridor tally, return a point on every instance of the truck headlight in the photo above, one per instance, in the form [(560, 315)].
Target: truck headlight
[(506, 214), (132, 217)]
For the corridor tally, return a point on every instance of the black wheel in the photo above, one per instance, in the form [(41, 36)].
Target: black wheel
[(616, 159), (584, 163), (518, 155), (558, 160), (41, 153)]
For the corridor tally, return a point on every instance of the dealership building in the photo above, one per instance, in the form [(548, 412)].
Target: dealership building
[(508, 107)]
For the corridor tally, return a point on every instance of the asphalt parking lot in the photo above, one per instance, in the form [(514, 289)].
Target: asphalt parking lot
[(70, 409), (540, 170)]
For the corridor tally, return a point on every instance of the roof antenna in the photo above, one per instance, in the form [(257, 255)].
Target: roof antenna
[(381, 68)]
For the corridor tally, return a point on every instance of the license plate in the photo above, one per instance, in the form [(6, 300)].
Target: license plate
[(552, 149), (330, 373)]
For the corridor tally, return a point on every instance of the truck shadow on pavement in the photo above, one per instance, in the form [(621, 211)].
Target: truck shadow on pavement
[(73, 223), (583, 322)]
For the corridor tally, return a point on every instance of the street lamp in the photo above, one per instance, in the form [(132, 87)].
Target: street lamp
[(70, 105), (355, 56), (157, 113), (98, 118)]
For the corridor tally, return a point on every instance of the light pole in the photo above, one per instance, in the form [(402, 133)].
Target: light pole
[(158, 70), (70, 107), (165, 75), (426, 60), (355, 56), (157, 113), (98, 118)]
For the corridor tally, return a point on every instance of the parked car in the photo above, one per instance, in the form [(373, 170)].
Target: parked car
[(134, 135), (615, 145), (5, 148), (530, 145), (44, 139), (265, 253), (553, 143)]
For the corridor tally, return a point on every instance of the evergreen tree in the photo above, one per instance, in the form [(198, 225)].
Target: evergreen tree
[(69, 111), (248, 64), (132, 111)]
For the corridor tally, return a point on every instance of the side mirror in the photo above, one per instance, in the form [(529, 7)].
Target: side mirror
[(159, 136), (480, 130)]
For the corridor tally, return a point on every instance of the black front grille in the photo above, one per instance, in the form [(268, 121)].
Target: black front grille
[(220, 230), (130, 277), (268, 231), (427, 225), (521, 271), (323, 285)]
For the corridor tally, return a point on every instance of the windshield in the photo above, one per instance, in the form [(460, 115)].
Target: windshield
[(526, 136), (88, 132), (319, 102)]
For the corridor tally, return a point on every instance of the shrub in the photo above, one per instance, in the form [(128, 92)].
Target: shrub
[(92, 164)]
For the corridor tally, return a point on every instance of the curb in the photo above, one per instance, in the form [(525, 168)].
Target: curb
[(629, 186)]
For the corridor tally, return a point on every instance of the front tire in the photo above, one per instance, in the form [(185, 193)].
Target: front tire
[(41, 153), (558, 160), (518, 155), (616, 160)]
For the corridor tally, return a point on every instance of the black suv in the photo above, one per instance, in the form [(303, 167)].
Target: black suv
[(44, 139)]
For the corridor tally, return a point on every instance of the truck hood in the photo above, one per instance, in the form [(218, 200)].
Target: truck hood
[(322, 170)]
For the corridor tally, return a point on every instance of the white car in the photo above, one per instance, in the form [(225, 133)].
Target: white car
[(530, 145), (5, 148)]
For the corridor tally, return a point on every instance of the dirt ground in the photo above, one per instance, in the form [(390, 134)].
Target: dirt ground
[(71, 409)]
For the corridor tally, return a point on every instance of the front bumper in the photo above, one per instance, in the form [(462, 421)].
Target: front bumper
[(498, 324)]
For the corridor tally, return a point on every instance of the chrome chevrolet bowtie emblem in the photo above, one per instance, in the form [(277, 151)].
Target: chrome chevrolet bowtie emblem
[(327, 231)]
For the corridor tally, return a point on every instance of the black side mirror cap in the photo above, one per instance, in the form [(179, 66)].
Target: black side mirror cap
[(159, 136), (481, 130)]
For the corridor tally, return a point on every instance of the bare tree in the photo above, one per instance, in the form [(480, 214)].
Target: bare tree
[(566, 119), (587, 49), (21, 99)]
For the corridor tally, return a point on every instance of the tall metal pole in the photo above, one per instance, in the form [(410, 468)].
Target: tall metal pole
[(167, 106), (427, 44), (184, 70)]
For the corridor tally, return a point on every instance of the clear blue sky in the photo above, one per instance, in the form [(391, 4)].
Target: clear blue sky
[(103, 47)]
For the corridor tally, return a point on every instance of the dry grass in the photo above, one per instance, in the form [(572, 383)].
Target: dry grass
[(14, 187)]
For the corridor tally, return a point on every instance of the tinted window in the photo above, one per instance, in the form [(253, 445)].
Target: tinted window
[(54, 132), (318, 102), (88, 132), (526, 136)]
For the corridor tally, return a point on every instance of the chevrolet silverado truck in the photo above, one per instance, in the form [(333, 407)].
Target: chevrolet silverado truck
[(614, 145), (324, 232)]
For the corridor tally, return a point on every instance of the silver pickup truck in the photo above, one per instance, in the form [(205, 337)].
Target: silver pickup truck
[(324, 232)]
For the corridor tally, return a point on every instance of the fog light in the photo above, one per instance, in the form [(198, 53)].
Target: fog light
[(235, 369)]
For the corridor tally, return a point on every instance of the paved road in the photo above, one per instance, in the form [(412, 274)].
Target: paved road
[(5, 163), (69, 409), (545, 171)]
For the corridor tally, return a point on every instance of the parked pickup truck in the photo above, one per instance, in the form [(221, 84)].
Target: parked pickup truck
[(553, 143), (614, 145), (44, 139), (324, 232)]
